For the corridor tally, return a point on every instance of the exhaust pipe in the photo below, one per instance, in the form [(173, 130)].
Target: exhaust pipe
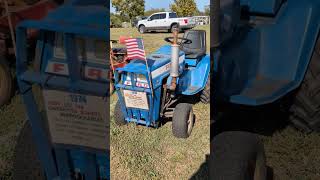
[(215, 24), (174, 70)]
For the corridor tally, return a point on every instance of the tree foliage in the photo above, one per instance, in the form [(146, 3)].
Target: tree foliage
[(184, 7), (207, 10), (116, 20), (129, 8)]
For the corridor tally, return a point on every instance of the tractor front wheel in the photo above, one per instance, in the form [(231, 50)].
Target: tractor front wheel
[(26, 164), (237, 156), (182, 120), (118, 115), (6, 84), (306, 107)]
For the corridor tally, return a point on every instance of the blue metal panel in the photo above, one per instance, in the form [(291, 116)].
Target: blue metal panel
[(266, 62), (42, 142), (262, 6), (194, 80)]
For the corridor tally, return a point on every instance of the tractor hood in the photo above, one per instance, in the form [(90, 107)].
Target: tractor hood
[(77, 18)]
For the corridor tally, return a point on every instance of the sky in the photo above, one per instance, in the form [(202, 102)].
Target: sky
[(149, 4)]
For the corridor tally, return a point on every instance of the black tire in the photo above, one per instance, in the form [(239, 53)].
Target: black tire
[(173, 27), (182, 120), (205, 93), (26, 164), (305, 111), (6, 82), (142, 29), (118, 115), (237, 156)]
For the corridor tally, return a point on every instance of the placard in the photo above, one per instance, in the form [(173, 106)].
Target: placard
[(134, 99), (77, 119)]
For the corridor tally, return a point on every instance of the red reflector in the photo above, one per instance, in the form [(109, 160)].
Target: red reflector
[(186, 21)]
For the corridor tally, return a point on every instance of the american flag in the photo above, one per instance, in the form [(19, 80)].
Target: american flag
[(135, 49)]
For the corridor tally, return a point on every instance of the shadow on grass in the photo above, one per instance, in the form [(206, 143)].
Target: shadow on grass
[(264, 120), (203, 171)]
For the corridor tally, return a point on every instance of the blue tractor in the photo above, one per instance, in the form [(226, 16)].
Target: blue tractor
[(65, 93), (266, 54), (176, 72)]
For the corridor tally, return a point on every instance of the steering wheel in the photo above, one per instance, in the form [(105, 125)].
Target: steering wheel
[(182, 40)]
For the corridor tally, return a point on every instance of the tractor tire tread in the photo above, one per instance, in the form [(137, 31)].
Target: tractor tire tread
[(26, 164), (6, 82), (118, 115), (179, 120), (205, 94), (237, 156), (306, 106)]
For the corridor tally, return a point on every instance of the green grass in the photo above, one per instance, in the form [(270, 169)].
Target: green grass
[(12, 117), (146, 153)]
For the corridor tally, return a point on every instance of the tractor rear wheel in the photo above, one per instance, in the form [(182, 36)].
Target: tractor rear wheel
[(6, 84), (205, 94), (118, 115), (26, 164), (306, 107), (237, 156), (182, 120)]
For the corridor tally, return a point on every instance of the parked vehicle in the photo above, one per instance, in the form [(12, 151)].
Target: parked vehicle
[(165, 21)]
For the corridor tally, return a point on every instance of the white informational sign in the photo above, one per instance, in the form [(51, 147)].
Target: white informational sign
[(77, 119), (135, 99)]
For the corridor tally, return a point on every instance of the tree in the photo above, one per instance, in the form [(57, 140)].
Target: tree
[(151, 11), (129, 8), (207, 10), (116, 20), (184, 7)]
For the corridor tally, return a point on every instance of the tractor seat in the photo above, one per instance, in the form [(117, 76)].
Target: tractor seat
[(197, 48)]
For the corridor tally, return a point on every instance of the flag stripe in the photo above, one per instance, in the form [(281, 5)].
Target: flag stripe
[(135, 49)]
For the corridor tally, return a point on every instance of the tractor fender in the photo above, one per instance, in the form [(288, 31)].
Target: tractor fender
[(271, 60), (194, 80)]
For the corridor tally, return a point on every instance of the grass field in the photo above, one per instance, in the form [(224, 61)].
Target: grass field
[(145, 153)]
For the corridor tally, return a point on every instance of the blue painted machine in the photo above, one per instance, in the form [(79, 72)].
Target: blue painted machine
[(176, 73), (71, 69), (265, 50)]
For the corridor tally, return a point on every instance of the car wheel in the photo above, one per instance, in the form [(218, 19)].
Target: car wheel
[(142, 29)]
